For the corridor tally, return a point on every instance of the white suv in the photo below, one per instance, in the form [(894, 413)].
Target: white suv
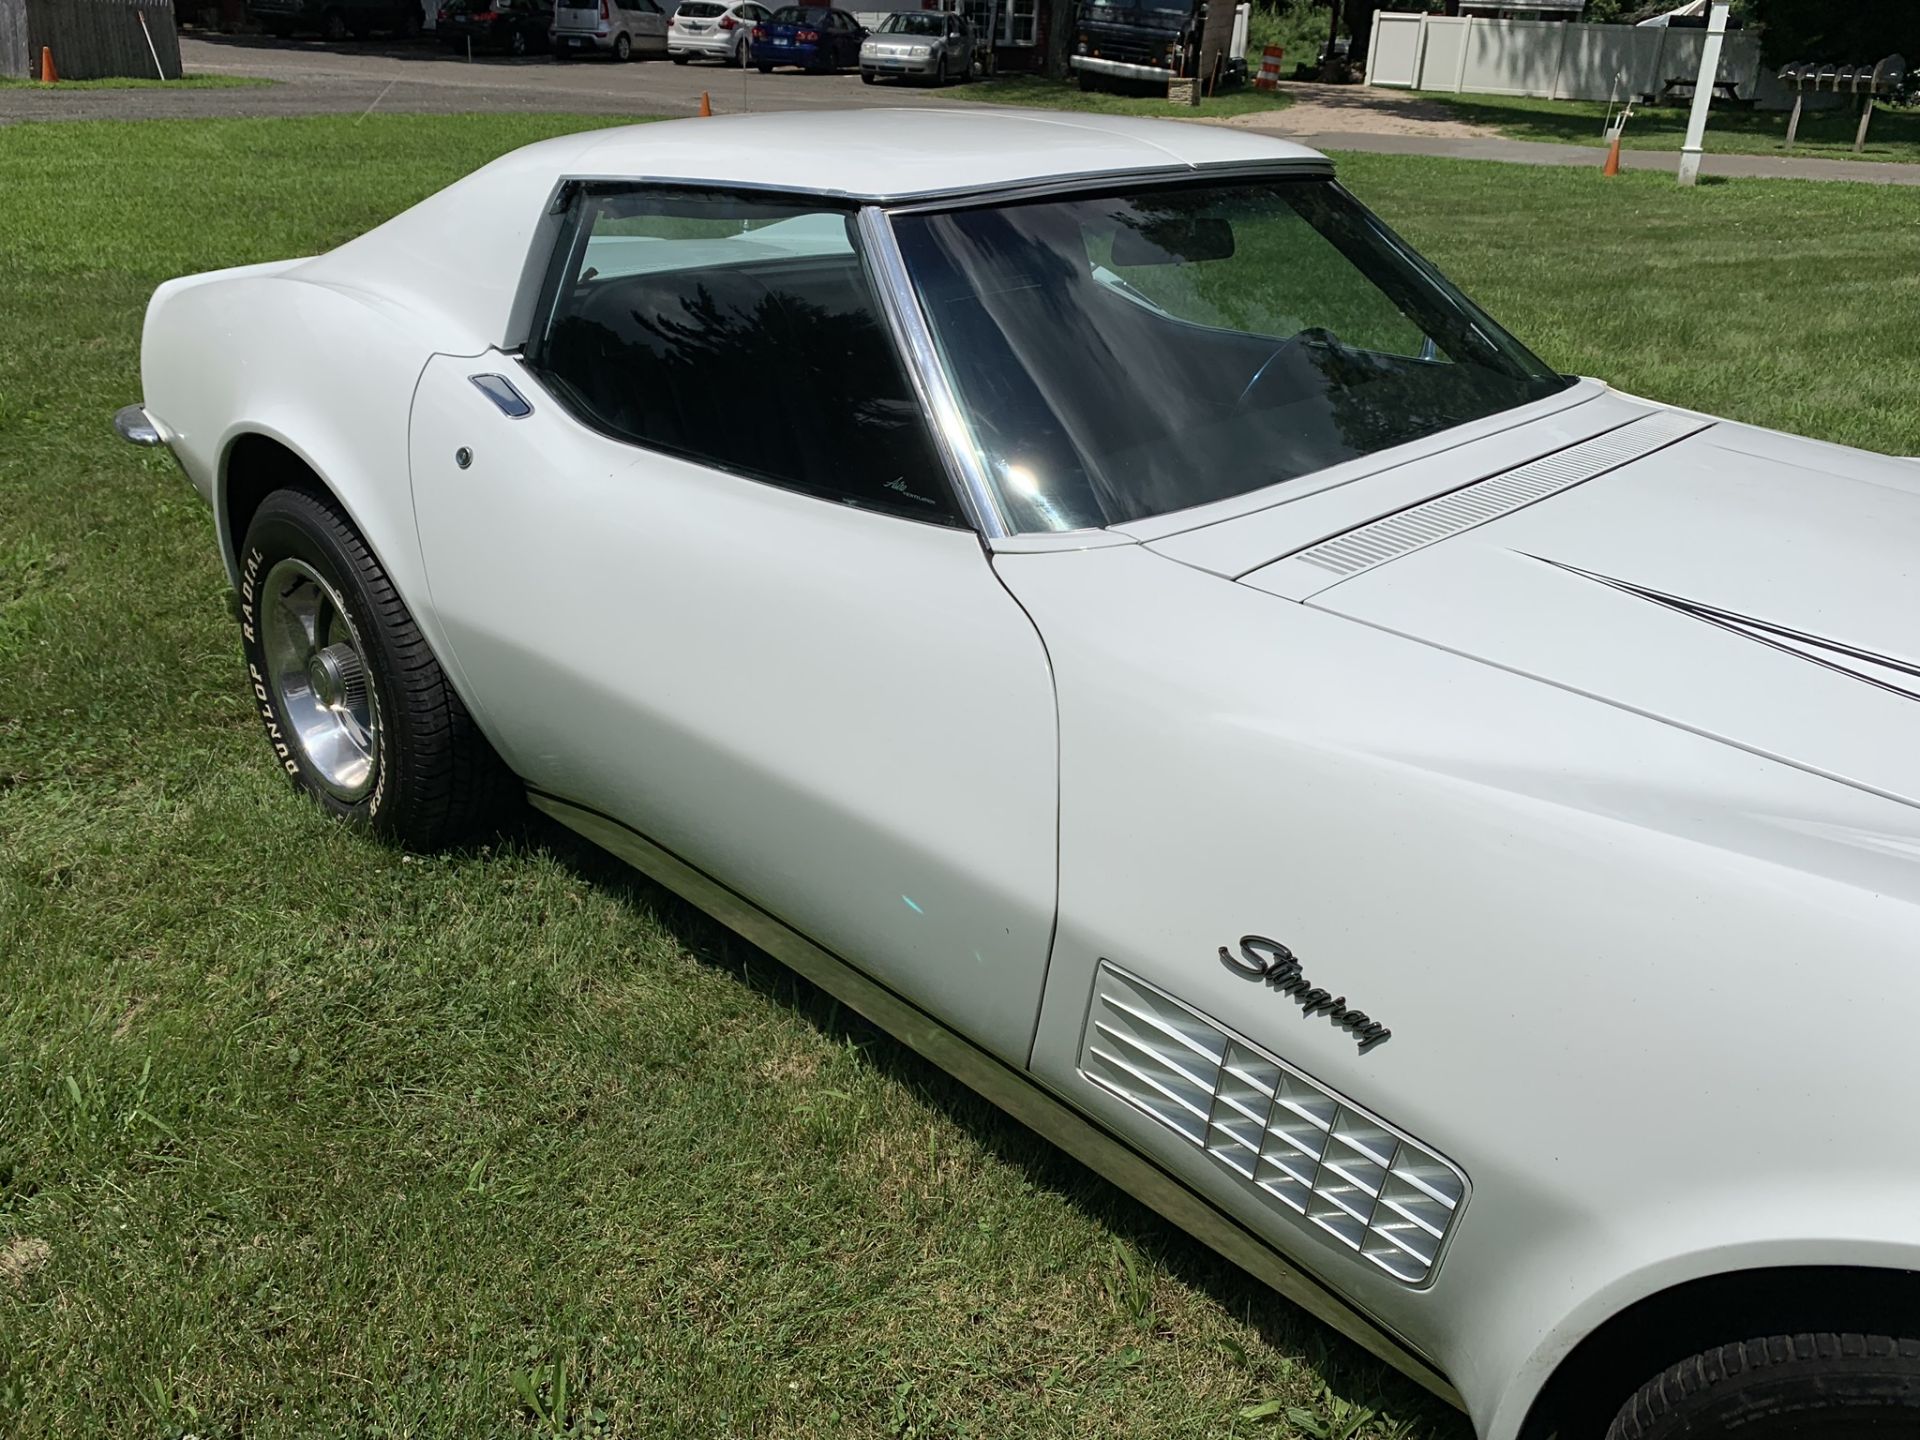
[(713, 29)]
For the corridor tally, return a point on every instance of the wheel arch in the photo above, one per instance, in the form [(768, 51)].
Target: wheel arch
[(255, 461), (1635, 1342)]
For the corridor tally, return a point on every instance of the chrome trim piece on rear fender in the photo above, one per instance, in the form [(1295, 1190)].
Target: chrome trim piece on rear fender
[(1011, 1090), (910, 331)]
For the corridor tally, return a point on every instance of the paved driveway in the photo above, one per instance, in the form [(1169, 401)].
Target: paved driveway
[(314, 78)]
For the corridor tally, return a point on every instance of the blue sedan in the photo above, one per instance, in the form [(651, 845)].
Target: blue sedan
[(814, 37)]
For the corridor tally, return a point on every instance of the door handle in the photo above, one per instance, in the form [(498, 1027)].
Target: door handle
[(501, 391)]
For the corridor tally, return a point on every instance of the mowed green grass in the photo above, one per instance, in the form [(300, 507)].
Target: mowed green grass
[(300, 1136), (1893, 135)]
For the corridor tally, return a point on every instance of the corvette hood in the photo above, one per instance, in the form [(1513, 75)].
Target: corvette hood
[(1753, 587)]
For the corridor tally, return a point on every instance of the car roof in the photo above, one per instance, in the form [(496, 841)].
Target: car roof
[(490, 218), (900, 153)]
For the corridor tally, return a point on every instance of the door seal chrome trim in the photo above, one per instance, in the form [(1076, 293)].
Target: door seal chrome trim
[(915, 339), (1018, 1094)]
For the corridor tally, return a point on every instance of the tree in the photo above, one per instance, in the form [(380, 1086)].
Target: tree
[(1848, 34)]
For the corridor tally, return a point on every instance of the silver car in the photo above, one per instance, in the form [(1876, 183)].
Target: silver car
[(713, 30), (912, 42), (620, 28)]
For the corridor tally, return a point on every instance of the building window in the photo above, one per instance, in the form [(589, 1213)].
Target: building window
[(1019, 20)]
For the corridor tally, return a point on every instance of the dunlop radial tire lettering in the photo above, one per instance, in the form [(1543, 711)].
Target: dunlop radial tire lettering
[(1826, 1385), (437, 779)]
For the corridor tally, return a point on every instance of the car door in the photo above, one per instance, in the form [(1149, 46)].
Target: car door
[(846, 39), (713, 584)]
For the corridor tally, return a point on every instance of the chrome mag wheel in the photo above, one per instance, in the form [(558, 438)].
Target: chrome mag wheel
[(316, 665)]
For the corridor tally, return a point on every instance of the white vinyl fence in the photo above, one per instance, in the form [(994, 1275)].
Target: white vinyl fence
[(1555, 60)]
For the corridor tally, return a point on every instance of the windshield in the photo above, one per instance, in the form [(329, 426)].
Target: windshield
[(1132, 354), (1176, 7), (904, 24), (797, 15)]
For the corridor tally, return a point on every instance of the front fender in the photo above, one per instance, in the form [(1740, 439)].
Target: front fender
[(1616, 958)]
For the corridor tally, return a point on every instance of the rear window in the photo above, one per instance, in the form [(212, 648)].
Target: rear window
[(795, 15), (701, 9)]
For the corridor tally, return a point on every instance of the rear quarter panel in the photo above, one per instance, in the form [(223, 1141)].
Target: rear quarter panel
[(326, 371)]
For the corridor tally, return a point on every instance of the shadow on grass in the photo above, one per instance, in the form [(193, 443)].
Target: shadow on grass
[(1348, 1371)]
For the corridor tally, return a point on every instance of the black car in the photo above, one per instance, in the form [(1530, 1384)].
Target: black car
[(336, 19), (505, 27)]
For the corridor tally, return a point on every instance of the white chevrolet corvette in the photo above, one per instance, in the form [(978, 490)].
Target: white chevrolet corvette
[(1087, 594)]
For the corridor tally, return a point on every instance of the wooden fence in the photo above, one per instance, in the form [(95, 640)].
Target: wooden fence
[(90, 38)]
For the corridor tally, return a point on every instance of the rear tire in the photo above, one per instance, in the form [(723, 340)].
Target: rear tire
[(764, 69), (739, 60), (333, 27), (1782, 1387), (358, 711), (622, 49), (678, 59)]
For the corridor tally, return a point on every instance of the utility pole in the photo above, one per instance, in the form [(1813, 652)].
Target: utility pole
[(1703, 93)]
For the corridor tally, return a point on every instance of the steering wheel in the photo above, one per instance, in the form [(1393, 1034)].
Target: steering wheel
[(1313, 334)]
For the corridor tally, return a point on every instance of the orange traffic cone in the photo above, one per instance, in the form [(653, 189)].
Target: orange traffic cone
[(47, 73), (1612, 167), (706, 104)]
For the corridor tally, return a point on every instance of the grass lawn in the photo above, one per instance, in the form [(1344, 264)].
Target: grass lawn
[(1894, 134), (1038, 93), (132, 82), (303, 1137)]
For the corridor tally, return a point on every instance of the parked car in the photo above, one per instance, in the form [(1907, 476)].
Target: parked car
[(507, 27), (810, 36), (620, 28), (1441, 829), (336, 19), (714, 30), (921, 43)]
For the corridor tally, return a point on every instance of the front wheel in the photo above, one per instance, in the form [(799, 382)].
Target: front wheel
[(517, 43), (679, 59), (1782, 1387), (333, 27), (358, 712), (867, 77)]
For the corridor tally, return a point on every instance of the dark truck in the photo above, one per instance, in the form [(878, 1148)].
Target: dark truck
[(1147, 41)]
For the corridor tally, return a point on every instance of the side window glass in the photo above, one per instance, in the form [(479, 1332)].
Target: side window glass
[(742, 334)]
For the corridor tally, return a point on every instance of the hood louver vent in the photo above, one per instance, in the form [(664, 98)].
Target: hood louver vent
[(1404, 531), (1321, 1157)]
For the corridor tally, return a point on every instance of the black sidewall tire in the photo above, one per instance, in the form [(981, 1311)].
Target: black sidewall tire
[(622, 49)]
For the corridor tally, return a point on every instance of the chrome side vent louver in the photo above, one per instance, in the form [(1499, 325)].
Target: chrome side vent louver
[(1404, 531), (1321, 1157)]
